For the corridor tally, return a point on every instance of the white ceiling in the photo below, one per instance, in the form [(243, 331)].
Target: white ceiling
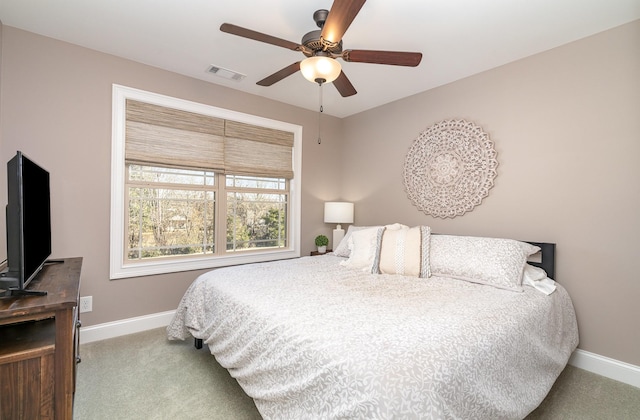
[(458, 38)]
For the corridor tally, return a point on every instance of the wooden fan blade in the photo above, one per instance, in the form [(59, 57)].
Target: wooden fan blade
[(258, 36), (279, 75), (340, 17), (344, 86), (394, 58)]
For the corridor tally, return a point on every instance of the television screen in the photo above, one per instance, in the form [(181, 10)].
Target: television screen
[(36, 228), (28, 222)]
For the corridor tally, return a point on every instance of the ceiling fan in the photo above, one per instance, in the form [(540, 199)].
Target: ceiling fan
[(322, 48)]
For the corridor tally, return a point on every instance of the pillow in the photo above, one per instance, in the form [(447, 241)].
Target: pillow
[(363, 244), (396, 226), (342, 250), (536, 277), (404, 251), (493, 261)]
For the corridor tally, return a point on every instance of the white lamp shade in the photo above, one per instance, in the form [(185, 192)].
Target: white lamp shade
[(338, 212), (319, 67)]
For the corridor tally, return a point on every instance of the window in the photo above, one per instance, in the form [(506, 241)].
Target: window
[(256, 213), (170, 212), (194, 186)]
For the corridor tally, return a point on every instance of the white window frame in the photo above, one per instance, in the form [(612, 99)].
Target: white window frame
[(118, 269)]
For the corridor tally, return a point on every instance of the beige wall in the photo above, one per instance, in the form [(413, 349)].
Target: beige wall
[(566, 126), (56, 108)]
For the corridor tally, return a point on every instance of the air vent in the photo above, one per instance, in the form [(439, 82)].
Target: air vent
[(226, 73)]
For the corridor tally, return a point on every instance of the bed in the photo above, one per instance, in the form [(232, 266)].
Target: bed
[(323, 337)]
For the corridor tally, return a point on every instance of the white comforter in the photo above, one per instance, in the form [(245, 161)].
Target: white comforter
[(309, 339)]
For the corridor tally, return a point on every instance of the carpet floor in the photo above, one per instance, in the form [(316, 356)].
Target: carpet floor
[(145, 376)]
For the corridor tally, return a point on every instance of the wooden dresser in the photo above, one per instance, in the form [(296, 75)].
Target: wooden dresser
[(39, 338)]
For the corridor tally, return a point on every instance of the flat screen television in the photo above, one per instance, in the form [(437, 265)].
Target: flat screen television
[(28, 215)]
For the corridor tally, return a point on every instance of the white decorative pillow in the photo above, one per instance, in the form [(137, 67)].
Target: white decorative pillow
[(363, 246), (493, 261), (404, 251), (342, 250), (396, 226)]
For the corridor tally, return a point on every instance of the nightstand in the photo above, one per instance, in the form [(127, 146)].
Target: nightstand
[(314, 253)]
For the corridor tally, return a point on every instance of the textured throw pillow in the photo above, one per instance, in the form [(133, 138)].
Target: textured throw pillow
[(404, 251), (493, 261), (362, 246)]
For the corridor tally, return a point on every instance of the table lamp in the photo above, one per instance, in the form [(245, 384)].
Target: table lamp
[(338, 212)]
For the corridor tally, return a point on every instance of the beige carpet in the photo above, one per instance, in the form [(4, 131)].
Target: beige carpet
[(144, 376)]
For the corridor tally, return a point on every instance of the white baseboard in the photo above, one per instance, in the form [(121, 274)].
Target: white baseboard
[(601, 365), (605, 366), (126, 326)]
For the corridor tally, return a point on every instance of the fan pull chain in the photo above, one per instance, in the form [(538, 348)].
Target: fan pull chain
[(320, 116)]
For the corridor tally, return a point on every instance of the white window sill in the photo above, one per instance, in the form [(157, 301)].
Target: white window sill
[(172, 266)]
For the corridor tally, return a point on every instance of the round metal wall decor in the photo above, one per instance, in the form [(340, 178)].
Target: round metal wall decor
[(450, 168)]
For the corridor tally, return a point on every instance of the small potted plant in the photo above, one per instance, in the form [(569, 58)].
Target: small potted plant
[(322, 242)]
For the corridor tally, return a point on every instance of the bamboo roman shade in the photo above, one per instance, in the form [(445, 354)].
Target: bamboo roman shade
[(259, 151), (171, 137)]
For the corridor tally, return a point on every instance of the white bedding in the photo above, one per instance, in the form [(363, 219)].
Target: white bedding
[(308, 338)]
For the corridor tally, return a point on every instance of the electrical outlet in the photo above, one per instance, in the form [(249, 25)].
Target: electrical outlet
[(86, 304)]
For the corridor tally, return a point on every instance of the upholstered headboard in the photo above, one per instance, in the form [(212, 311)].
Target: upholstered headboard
[(547, 258)]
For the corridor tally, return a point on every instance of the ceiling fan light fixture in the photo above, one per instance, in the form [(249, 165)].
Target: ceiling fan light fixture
[(320, 69)]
